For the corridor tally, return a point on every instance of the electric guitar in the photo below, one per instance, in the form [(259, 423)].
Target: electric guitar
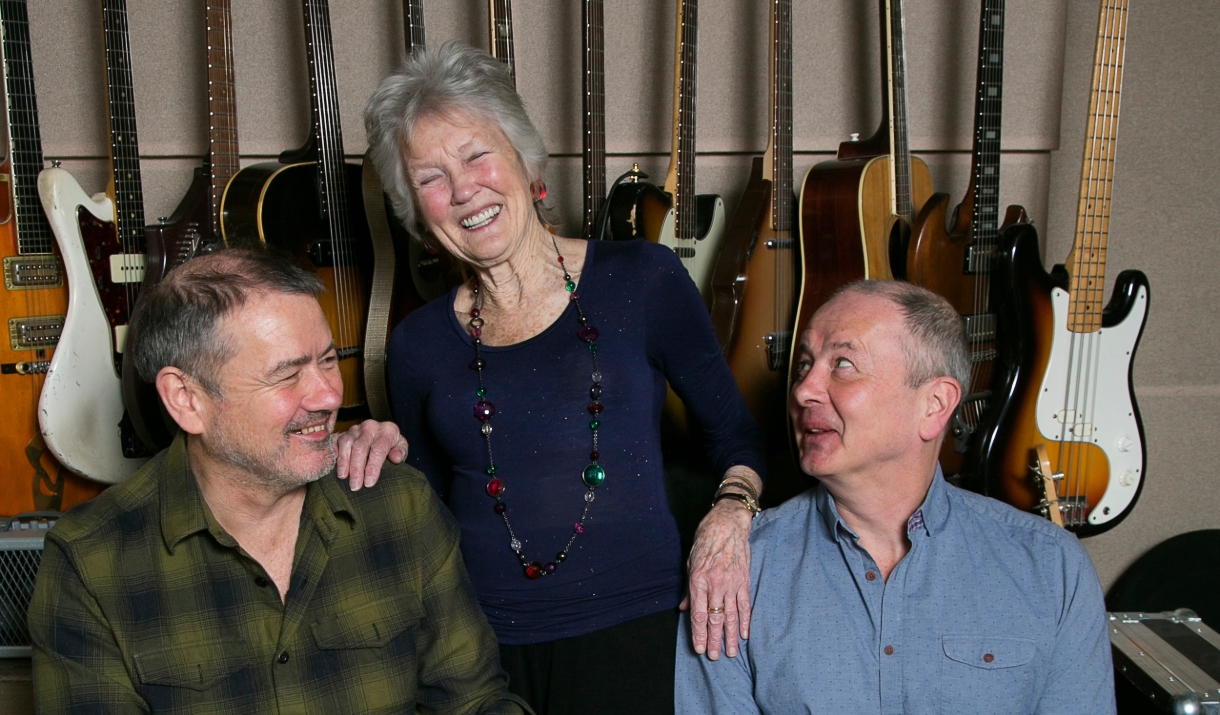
[(1064, 365), (856, 211), (755, 279), (194, 226), (102, 242), (956, 263), (693, 226), (500, 24), (35, 296), (300, 205)]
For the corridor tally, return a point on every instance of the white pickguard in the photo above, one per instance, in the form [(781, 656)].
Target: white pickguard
[(1085, 396), (703, 262), (82, 399)]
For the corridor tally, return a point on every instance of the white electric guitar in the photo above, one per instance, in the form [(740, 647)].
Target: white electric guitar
[(80, 410)]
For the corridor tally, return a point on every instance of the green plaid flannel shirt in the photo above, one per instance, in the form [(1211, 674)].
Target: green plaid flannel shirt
[(144, 604)]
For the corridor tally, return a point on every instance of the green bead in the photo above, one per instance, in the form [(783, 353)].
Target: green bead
[(570, 286), (592, 348), (594, 475), (491, 471), (595, 424), (481, 392)]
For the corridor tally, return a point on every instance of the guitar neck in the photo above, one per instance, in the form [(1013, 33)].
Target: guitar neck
[(988, 106), (1087, 263), (680, 179), (500, 12), (124, 146), (223, 154), (778, 167), (900, 150), (413, 24), (24, 141), (595, 114), (328, 130)]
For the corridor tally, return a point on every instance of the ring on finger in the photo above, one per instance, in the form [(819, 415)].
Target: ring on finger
[(716, 609)]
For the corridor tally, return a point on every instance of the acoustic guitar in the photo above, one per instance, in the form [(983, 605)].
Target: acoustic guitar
[(856, 211), (194, 226), (301, 205), (956, 262), (693, 226), (35, 296), (1063, 374), (101, 240), (755, 278)]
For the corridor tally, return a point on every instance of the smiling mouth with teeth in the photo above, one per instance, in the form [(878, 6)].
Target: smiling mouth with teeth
[(482, 218), (311, 430)]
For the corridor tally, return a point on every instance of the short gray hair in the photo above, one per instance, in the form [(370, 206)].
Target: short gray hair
[(176, 322), (452, 77), (935, 340)]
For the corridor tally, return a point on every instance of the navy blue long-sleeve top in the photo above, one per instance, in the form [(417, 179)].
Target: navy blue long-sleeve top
[(628, 562)]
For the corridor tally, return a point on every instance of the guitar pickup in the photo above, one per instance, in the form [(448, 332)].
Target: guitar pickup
[(979, 356), (127, 268), (35, 333), (781, 244), (778, 345), (980, 327), (684, 252), (39, 270), (979, 260)]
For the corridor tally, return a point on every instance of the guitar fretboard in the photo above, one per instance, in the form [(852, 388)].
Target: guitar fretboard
[(900, 150), (595, 115), (684, 120), (781, 118), (1087, 265), (501, 16), (24, 141), (124, 147), (223, 161), (988, 104), (413, 24)]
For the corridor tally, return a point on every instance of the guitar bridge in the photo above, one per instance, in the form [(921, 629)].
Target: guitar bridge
[(778, 345), (41, 270)]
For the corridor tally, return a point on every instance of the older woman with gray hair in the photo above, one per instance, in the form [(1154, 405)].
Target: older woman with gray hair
[(531, 396)]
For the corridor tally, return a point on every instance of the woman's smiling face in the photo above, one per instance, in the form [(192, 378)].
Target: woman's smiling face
[(470, 187)]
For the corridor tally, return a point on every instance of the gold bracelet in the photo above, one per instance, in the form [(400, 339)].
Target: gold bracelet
[(737, 481), (745, 499)]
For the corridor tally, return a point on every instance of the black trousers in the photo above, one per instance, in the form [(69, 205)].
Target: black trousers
[(628, 668)]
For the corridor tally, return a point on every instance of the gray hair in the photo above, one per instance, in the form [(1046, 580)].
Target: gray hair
[(435, 81), (935, 341), (177, 321)]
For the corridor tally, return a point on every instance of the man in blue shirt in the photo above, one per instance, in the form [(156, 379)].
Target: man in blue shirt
[(885, 589)]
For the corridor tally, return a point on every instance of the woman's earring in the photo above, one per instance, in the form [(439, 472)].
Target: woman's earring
[(430, 243), (538, 191)]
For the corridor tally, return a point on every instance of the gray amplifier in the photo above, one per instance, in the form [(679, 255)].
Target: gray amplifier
[(20, 553)]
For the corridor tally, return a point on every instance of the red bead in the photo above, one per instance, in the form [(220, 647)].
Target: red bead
[(495, 488), (533, 570), (588, 333), (561, 259), (578, 527), (474, 313), (476, 332), (596, 407), (594, 455), (484, 410), (574, 296), (501, 507)]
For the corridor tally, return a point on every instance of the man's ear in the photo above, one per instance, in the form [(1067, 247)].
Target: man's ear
[(940, 399), (184, 399)]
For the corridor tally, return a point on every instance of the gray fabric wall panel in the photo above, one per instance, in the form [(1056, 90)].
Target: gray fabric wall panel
[(1162, 196)]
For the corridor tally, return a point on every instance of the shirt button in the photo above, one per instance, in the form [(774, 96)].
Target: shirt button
[(260, 582), (871, 575), (283, 658), (889, 650), (988, 658)]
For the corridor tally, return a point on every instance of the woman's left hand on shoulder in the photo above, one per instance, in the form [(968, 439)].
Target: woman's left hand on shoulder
[(363, 450), (718, 591)]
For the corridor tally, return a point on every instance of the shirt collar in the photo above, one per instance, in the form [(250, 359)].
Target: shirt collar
[(184, 511), (930, 517)]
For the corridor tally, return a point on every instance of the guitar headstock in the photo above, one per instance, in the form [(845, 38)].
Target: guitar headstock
[(1047, 480)]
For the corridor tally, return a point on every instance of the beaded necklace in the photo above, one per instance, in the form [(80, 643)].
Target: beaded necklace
[(593, 475)]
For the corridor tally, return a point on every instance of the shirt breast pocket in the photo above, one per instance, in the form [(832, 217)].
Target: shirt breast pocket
[(372, 625), (991, 674), (195, 672)]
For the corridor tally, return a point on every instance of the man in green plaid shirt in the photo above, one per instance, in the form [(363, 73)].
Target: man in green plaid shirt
[(233, 575)]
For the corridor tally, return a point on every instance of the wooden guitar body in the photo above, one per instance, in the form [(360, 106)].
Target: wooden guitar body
[(937, 260), (277, 204), (81, 404), (848, 231), (1098, 447)]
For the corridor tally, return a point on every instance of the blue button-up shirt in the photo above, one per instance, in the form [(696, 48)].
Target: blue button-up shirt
[(991, 611)]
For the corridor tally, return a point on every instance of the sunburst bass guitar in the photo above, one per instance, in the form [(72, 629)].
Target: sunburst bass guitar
[(1064, 364)]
